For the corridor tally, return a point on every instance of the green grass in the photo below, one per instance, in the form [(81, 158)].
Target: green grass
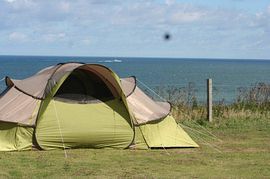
[(244, 153)]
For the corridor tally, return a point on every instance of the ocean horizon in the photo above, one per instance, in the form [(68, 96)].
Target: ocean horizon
[(228, 74)]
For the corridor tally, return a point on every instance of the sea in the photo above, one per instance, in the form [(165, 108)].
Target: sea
[(228, 75)]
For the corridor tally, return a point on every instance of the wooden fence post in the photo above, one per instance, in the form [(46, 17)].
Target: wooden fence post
[(209, 100)]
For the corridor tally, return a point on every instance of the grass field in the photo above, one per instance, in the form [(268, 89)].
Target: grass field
[(244, 152)]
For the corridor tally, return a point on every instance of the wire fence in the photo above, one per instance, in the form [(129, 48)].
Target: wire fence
[(196, 94)]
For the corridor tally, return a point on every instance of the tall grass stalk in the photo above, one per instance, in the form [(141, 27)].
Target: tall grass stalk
[(251, 103)]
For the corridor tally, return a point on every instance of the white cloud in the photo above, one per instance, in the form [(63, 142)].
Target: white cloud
[(18, 5), (86, 41), (17, 36), (53, 37), (169, 2), (10, 1), (262, 21), (186, 17), (83, 13), (130, 23), (64, 6)]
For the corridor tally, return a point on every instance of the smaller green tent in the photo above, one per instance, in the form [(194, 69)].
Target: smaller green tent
[(75, 105)]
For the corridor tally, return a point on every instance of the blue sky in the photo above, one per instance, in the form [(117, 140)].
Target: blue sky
[(199, 28)]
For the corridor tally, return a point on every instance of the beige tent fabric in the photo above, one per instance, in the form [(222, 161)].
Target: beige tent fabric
[(143, 107), (36, 85), (58, 74), (128, 85), (41, 83), (17, 107), (19, 104)]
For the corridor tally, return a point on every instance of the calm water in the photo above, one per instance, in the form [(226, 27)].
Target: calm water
[(227, 75)]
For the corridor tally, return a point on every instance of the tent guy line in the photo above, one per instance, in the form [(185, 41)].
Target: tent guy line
[(160, 97), (59, 126)]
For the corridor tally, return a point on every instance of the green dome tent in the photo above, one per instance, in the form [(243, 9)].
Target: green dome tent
[(75, 105)]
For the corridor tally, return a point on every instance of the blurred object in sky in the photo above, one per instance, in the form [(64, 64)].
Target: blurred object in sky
[(167, 36)]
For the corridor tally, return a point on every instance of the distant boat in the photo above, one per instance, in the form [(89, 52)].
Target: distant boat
[(116, 60), (111, 61)]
